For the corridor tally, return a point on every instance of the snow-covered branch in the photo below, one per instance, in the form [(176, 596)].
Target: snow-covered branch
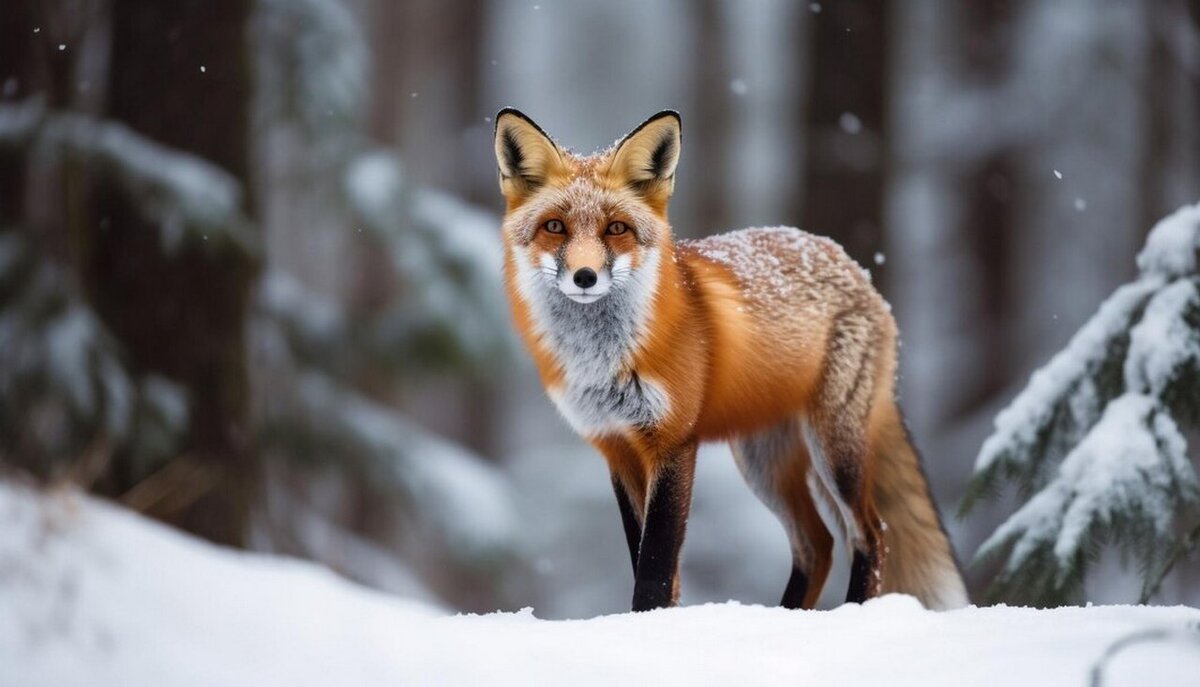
[(1097, 433), (183, 194)]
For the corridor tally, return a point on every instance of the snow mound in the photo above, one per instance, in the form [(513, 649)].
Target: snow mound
[(91, 594)]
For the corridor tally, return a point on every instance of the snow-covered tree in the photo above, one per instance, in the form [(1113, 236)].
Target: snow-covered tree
[(72, 403), (1096, 441), (85, 397), (326, 365)]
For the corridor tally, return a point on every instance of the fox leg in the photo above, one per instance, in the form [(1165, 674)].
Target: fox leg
[(804, 587), (631, 519), (668, 500), (629, 486), (775, 463), (837, 436)]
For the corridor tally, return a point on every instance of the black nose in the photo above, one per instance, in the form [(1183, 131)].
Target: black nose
[(585, 277)]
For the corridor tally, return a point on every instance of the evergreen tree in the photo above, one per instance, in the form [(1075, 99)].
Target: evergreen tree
[(153, 349), (1095, 443)]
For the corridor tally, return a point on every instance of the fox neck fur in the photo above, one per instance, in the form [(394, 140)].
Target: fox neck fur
[(594, 344)]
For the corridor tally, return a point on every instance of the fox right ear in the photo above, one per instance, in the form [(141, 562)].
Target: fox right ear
[(645, 160), (525, 155)]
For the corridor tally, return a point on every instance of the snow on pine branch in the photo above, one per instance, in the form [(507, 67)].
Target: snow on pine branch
[(63, 383), (187, 196), (311, 69), (1128, 474), (1063, 399), (448, 256), (452, 495), (1096, 435)]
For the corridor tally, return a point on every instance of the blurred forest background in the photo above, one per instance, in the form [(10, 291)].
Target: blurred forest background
[(249, 250)]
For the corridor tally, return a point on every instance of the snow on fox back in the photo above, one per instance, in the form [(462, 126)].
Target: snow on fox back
[(780, 268)]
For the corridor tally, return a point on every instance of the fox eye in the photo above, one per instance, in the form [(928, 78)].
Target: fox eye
[(616, 229), (555, 226)]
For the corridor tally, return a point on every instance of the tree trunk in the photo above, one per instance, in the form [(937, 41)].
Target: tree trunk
[(709, 123), (180, 76), (843, 195), (16, 83)]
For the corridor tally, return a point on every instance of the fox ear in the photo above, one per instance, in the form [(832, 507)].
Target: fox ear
[(645, 160), (526, 156)]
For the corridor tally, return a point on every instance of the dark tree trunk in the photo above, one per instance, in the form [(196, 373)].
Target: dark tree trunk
[(846, 155), (708, 163), (180, 76), (988, 219), (16, 83)]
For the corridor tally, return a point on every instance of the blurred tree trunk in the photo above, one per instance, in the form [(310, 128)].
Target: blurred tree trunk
[(425, 101), (710, 123), (180, 76), (1171, 158), (987, 223), (844, 171), (16, 83)]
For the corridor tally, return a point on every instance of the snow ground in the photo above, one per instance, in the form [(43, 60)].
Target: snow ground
[(91, 594)]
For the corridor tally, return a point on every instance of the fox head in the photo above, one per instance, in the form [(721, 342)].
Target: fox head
[(586, 226)]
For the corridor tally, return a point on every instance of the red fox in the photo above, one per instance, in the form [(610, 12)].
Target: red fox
[(771, 339)]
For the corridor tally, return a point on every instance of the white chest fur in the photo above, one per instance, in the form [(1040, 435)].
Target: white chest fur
[(613, 407), (593, 344)]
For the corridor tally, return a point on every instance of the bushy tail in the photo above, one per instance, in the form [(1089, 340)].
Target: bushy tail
[(919, 560)]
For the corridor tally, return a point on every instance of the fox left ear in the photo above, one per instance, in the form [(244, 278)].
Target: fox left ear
[(525, 155), (645, 160)]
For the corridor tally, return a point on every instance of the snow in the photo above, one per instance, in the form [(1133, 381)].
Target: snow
[(1163, 343), (753, 255), (1018, 425), (448, 250), (452, 492), (850, 123), (1131, 461), (181, 192), (92, 594), (1094, 430), (1172, 247), (312, 63)]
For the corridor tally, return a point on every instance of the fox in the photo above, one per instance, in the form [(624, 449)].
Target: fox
[(771, 339)]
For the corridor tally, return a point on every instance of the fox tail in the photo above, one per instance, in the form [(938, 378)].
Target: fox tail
[(919, 560)]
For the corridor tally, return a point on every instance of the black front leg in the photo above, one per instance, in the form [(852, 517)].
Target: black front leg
[(669, 499), (629, 518)]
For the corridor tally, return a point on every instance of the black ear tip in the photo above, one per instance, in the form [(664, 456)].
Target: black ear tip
[(667, 113), (507, 111), (511, 111), (654, 118), (514, 112)]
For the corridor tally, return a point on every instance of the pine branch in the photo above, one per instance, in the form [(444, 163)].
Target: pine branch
[(1183, 547), (185, 195)]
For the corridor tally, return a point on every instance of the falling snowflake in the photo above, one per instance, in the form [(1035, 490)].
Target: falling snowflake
[(850, 123)]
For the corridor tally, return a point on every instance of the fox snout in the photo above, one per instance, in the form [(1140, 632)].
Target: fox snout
[(583, 284)]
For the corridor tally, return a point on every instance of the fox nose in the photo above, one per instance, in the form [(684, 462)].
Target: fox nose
[(585, 277)]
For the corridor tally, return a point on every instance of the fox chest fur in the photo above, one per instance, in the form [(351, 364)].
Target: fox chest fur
[(590, 348)]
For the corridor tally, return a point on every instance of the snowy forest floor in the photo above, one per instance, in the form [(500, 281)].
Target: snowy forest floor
[(91, 594)]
